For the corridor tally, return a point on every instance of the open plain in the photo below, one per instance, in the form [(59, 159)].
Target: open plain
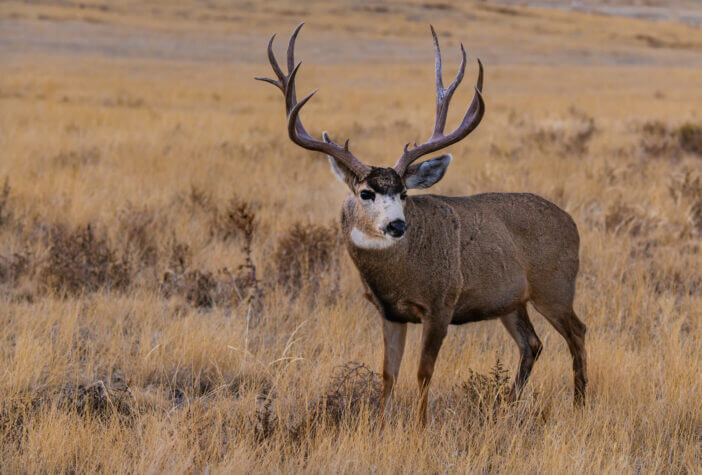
[(173, 292)]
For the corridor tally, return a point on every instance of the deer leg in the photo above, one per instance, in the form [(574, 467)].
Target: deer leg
[(432, 337), (520, 328), (394, 335), (575, 331), (567, 323)]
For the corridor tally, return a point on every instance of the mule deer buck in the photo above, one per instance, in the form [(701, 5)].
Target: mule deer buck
[(439, 260)]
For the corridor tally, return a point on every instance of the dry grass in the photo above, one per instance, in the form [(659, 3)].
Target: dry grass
[(173, 296)]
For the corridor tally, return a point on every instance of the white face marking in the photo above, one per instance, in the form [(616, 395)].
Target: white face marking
[(364, 241), (383, 210), (392, 208)]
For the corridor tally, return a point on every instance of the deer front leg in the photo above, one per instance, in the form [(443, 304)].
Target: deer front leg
[(432, 337), (394, 335)]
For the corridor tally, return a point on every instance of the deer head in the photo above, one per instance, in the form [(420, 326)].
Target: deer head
[(380, 193)]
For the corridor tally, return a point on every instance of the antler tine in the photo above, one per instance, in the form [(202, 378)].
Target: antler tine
[(280, 83), (479, 83), (296, 131), (297, 135), (294, 107), (437, 53), (477, 105), (443, 96), (291, 47), (439, 71), (283, 79), (470, 121)]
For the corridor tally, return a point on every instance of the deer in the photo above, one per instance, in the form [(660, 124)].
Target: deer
[(441, 260)]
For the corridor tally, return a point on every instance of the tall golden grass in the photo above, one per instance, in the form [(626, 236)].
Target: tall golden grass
[(136, 336)]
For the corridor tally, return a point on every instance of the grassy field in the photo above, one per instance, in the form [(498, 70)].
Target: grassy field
[(173, 294)]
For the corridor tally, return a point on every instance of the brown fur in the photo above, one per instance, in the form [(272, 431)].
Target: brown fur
[(468, 259)]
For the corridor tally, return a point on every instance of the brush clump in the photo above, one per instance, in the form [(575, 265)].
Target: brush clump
[(304, 255)]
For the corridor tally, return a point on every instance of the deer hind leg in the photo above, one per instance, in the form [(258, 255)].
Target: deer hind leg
[(432, 337), (567, 323), (519, 327), (394, 336)]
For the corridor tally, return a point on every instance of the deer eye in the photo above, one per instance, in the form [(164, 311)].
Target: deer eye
[(367, 195), (403, 195)]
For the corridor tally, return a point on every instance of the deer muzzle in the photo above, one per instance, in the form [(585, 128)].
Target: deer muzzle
[(396, 228)]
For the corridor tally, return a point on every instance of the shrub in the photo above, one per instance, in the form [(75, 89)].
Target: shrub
[(185, 384), (205, 289), (621, 218), (568, 137), (304, 253), (690, 136), (13, 267), (687, 189), (202, 289), (82, 262), (200, 200), (236, 221), (484, 394), (103, 398), (4, 197), (244, 219), (77, 158), (353, 387), (657, 140), (138, 228)]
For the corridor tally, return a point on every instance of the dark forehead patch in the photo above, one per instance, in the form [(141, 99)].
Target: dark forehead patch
[(385, 181)]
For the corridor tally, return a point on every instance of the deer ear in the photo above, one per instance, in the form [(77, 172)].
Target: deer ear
[(340, 171), (427, 173)]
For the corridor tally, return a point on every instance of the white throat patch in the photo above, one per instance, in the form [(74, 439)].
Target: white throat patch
[(364, 241)]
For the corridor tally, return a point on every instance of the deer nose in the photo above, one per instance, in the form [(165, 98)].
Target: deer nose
[(396, 228)]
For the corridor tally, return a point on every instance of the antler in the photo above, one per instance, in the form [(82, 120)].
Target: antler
[(296, 131), (443, 97)]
